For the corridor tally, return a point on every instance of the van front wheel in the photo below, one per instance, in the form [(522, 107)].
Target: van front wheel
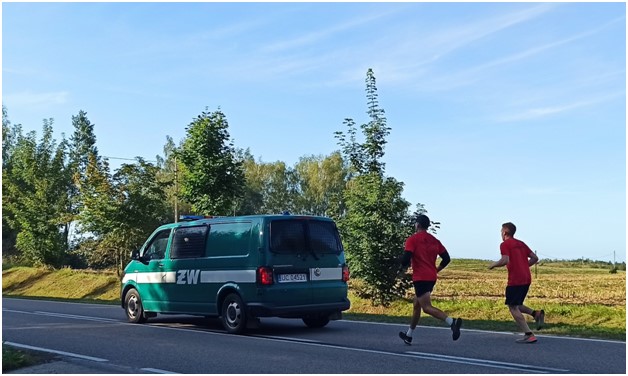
[(316, 321), (234, 314), (133, 307)]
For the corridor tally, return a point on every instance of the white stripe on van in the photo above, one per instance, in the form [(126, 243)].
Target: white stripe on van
[(220, 276), (325, 274), (157, 277), (241, 276), (151, 277)]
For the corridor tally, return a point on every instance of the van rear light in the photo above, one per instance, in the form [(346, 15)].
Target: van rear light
[(345, 274), (265, 275)]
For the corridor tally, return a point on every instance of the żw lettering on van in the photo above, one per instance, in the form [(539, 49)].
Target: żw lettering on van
[(189, 277)]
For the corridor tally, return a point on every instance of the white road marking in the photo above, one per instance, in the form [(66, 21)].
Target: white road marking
[(488, 331), (155, 370), (288, 338), (486, 363), (73, 355), (78, 317)]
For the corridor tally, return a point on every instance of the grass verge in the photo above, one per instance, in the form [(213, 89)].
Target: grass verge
[(13, 358)]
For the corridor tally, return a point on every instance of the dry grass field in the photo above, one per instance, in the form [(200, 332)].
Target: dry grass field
[(579, 300)]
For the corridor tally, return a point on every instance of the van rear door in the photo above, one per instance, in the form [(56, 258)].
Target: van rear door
[(307, 260), (326, 269)]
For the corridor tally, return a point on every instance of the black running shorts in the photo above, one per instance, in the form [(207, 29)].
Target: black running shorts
[(515, 295), (421, 287)]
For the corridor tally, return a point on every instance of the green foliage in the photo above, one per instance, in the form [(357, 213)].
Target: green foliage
[(82, 146), (374, 230), (9, 225), (82, 143), (375, 223), (321, 182), (213, 179), (121, 210), (35, 186), (170, 176), (365, 157), (313, 186)]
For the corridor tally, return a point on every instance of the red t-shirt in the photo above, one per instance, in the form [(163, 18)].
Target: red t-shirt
[(518, 266), (425, 248)]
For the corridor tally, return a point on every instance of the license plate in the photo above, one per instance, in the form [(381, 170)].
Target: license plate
[(292, 278)]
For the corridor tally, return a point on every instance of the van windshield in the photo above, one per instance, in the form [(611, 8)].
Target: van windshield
[(304, 235)]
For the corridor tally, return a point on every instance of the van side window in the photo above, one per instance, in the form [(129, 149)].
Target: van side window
[(156, 250), (229, 239), (189, 242)]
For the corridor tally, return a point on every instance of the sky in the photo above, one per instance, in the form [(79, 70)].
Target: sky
[(499, 112)]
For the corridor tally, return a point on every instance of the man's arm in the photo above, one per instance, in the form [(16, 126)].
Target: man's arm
[(501, 262), (533, 258), (445, 259), (405, 259)]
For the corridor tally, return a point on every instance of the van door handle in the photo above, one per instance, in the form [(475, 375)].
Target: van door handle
[(161, 264)]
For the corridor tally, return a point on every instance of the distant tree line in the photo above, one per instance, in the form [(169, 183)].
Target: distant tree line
[(62, 205), (588, 263)]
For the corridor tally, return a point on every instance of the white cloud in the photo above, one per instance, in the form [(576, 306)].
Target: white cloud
[(318, 35), (25, 99), (540, 112)]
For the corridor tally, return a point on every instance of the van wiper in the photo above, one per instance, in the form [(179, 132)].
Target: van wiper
[(314, 254)]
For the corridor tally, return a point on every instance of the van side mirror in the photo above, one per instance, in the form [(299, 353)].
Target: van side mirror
[(135, 255)]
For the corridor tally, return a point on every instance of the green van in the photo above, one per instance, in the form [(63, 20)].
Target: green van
[(240, 269)]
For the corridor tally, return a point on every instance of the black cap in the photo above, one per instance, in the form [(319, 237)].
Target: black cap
[(423, 221)]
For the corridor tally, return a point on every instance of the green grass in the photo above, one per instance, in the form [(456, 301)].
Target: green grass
[(583, 302), (13, 358)]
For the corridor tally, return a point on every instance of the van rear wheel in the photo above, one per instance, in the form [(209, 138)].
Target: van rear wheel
[(233, 314), (133, 307), (316, 321)]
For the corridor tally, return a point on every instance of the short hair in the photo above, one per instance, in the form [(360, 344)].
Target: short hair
[(423, 221), (510, 228)]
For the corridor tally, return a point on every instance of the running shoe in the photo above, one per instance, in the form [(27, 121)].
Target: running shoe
[(455, 328), (406, 339), (528, 338), (539, 318)]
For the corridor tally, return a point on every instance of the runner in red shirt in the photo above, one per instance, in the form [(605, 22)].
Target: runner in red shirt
[(421, 249), (518, 258)]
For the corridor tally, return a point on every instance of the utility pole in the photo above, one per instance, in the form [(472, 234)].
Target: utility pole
[(535, 265), (176, 191)]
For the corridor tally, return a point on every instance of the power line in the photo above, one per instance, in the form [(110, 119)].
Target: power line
[(128, 159)]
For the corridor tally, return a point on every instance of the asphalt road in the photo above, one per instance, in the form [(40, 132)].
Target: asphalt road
[(184, 344)]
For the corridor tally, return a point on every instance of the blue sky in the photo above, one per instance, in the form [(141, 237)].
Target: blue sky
[(499, 111)]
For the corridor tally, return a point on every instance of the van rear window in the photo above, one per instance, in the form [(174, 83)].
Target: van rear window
[(304, 235)]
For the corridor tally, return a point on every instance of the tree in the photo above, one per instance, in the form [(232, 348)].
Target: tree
[(82, 149), (170, 176), (320, 184), (373, 231), (252, 200), (213, 179), (82, 143), (122, 210), (9, 225), (376, 221), (36, 188), (366, 157)]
